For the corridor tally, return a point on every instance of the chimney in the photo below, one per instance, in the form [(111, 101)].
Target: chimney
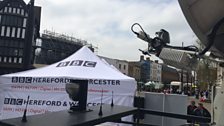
[(141, 57)]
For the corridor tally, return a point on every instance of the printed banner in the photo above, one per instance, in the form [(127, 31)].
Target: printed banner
[(49, 97)]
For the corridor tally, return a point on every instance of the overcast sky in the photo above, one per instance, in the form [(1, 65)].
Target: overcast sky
[(106, 23)]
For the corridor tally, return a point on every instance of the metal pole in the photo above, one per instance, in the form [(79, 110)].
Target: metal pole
[(191, 84), (187, 81), (164, 96), (182, 78), (182, 85)]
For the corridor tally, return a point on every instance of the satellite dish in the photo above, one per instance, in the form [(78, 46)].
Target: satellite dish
[(203, 16), (77, 91)]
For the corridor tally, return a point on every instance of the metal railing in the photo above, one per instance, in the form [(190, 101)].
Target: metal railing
[(140, 111)]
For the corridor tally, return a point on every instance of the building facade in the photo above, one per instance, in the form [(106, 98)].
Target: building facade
[(134, 70), (14, 33), (21, 45), (145, 69), (169, 74), (53, 47), (155, 72), (121, 65)]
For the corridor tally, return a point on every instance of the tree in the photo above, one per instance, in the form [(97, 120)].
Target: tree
[(206, 71)]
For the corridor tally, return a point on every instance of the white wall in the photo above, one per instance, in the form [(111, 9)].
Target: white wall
[(165, 103)]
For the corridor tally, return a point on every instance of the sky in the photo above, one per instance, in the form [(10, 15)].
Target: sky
[(106, 24)]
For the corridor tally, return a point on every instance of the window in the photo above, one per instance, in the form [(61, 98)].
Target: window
[(18, 32), (14, 20), (20, 52), (16, 52), (20, 22), (8, 32), (124, 67), (7, 20), (15, 60), (3, 21), (24, 22), (10, 10), (0, 19), (18, 10), (3, 31), (20, 60), (23, 33), (0, 59), (14, 10), (22, 12), (119, 66), (13, 32), (5, 59), (6, 8), (10, 59)]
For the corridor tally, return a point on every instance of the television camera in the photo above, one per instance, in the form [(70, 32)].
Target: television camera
[(171, 55), (206, 19)]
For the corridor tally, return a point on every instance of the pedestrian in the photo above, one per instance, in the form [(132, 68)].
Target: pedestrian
[(206, 94), (197, 94), (202, 99), (190, 110), (203, 112), (201, 93)]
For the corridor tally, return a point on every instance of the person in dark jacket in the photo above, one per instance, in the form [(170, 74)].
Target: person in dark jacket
[(203, 112), (190, 110)]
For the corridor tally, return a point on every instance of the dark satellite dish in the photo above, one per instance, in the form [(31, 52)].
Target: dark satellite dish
[(204, 17), (77, 91)]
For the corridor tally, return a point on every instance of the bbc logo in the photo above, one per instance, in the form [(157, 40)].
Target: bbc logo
[(77, 63), (13, 101), (21, 79)]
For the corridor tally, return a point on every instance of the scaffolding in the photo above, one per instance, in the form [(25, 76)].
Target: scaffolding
[(54, 47)]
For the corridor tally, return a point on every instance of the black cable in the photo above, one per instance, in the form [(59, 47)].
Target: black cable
[(146, 36), (188, 48), (195, 47), (211, 37), (144, 52), (132, 28)]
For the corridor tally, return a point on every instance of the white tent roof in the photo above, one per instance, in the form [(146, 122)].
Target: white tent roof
[(76, 66)]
